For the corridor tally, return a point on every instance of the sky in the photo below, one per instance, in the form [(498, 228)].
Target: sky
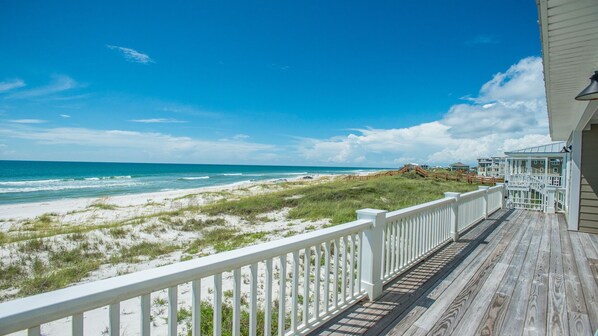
[(335, 83)]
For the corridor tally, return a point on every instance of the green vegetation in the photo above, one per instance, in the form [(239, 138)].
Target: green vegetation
[(207, 314), (338, 200), (193, 224), (103, 206), (118, 232), (147, 249)]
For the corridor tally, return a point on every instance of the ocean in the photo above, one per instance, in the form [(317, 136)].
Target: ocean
[(36, 181)]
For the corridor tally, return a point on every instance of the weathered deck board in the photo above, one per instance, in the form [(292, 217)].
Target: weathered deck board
[(497, 308), (557, 310), (517, 272)]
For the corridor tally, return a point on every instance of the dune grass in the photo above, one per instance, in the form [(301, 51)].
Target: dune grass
[(338, 200)]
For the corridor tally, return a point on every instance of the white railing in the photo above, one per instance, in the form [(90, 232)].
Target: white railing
[(561, 200), (307, 279), (412, 234)]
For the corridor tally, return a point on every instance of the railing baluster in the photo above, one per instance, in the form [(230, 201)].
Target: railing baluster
[(359, 262), (77, 324), (335, 275), (386, 252), (306, 273), (114, 319), (409, 239), (282, 294), (417, 237), (172, 311), (401, 224), (317, 283), (145, 303), (352, 268), (268, 299), (236, 302), (196, 307), (34, 331), (253, 294), (344, 274), (391, 257), (326, 300), (217, 321), (295, 291)]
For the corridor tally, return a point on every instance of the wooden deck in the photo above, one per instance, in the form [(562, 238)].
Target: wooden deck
[(519, 272)]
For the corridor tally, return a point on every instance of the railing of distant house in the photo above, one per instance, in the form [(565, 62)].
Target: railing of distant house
[(307, 279), (527, 192)]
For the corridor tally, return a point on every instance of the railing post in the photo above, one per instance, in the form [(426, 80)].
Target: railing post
[(485, 200), (371, 274), (550, 200), (503, 196), (455, 216)]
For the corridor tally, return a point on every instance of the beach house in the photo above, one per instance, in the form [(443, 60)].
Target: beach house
[(491, 166), (458, 166), (474, 263)]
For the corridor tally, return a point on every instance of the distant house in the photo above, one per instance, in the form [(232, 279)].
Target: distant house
[(458, 166), (425, 166), (491, 167)]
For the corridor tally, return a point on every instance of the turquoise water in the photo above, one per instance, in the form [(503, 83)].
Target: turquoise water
[(34, 181)]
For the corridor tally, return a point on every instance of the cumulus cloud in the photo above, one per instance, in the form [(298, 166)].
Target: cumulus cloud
[(11, 84), (508, 113), (132, 55)]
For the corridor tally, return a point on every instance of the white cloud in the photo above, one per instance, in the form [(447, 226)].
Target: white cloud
[(65, 116), (27, 121), (241, 137), (138, 146), (508, 113), (59, 83), (11, 84), (158, 121), (132, 55)]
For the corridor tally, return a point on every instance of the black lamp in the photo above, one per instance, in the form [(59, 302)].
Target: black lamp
[(590, 92)]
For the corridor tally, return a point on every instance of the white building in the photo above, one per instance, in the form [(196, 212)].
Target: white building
[(491, 167)]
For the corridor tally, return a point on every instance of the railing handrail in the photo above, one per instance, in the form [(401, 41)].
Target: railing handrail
[(22, 313), (394, 215), (472, 194)]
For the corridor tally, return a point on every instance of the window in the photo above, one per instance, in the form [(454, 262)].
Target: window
[(555, 170)]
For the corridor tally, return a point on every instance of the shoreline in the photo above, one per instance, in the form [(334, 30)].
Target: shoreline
[(27, 210), (33, 209)]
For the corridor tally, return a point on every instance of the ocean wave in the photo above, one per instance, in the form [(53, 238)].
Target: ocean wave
[(17, 183), (194, 178), (107, 178), (303, 173), (63, 187), (232, 174)]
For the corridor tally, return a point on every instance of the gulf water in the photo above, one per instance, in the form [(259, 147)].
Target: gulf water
[(35, 181)]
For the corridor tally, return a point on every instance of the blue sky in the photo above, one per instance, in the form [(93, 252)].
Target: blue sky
[(334, 83)]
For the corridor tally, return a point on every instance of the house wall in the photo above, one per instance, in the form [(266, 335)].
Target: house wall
[(588, 207)]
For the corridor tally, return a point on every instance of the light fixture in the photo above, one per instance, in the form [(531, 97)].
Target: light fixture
[(590, 92)]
